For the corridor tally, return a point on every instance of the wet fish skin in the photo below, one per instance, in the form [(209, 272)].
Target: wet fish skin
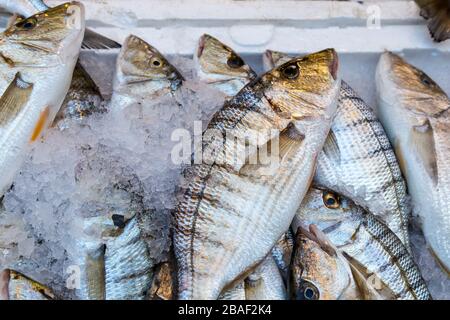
[(266, 282), (16, 286), (358, 160), (41, 52), (237, 292), (415, 113), (372, 246), (319, 271), (220, 66), (142, 72), (213, 244), (26, 8)]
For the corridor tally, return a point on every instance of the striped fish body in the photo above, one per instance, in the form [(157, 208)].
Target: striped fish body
[(368, 242), (358, 160), (233, 212), (16, 286)]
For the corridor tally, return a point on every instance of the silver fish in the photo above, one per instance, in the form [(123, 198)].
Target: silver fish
[(319, 271), (233, 212), (26, 8), (38, 58), (415, 113), (364, 239), (359, 162)]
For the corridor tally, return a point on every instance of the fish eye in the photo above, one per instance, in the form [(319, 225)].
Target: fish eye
[(235, 62), (291, 72), (426, 80), (156, 63), (27, 24), (308, 291), (331, 200)]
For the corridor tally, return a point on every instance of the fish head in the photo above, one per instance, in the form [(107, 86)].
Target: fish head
[(414, 89), (304, 87), (272, 59), (141, 63), (56, 31), (327, 209), (319, 272), (219, 65)]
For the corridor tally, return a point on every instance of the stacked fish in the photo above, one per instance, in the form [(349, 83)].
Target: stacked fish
[(302, 191)]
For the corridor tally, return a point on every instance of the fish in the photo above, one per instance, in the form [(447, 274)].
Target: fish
[(358, 160), (37, 53), (232, 212), (220, 66), (16, 286), (142, 74), (319, 271), (83, 98), (266, 282), (414, 110), (437, 12), (373, 249), (215, 60), (26, 8)]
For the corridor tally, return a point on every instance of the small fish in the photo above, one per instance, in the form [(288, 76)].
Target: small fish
[(218, 236), (26, 8), (36, 54), (319, 271), (16, 286), (219, 66), (414, 110), (265, 283), (367, 242), (358, 160), (142, 73), (437, 12)]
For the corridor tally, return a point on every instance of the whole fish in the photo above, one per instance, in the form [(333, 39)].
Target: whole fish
[(26, 8), (358, 160), (37, 53), (265, 283), (219, 66), (142, 74), (16, 286), (437, 14), (366, 241), (215, 60), (233, 212), (319, 271), (415, 113)]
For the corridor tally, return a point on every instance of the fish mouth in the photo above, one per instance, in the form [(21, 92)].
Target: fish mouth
[(268, 56), (201, 44), (334, 64)]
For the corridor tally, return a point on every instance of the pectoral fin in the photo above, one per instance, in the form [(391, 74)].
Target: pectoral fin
[(422, 141), (290, 141), (331, 148), (40, 124), (14, 99)]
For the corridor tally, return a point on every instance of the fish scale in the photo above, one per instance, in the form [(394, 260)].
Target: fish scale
[(232, 215), (415, 113), (369, 244), (358, 160)]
